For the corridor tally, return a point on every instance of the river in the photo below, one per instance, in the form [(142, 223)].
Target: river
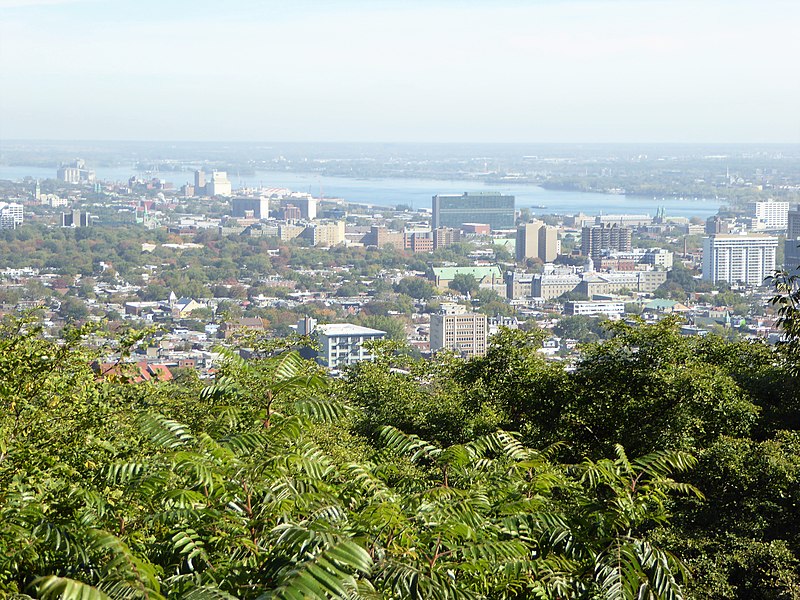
[(416, 192)]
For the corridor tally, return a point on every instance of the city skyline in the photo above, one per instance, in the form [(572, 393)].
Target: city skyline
[(567, 71)]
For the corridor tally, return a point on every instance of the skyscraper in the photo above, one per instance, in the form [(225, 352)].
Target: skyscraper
[(608, 236), (746, 259), (496, 210), (791, 246), (199, 182), (537, 240)]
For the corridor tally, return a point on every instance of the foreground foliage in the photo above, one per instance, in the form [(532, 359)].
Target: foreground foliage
[(254, 488), (661, 467)]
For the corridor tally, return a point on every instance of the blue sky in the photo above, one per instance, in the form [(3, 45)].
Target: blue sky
[(435, 71)]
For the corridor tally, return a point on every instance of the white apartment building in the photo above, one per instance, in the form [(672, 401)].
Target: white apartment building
[(768, 215), (342, 344), (746, 259), (11, 215), (465, 334)]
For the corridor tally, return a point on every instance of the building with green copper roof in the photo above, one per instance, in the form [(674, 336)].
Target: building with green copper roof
[(444, 275)]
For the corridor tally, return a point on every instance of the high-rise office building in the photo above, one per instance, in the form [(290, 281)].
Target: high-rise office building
[(746, 259), (463, 333), (496, 210), (608, 236), (791, 246), (793, 223), (537, 240)]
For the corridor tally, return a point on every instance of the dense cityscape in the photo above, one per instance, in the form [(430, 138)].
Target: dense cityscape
[(205, 261), (399, 300)]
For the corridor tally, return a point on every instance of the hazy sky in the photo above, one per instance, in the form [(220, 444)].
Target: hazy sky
[(372, 70)]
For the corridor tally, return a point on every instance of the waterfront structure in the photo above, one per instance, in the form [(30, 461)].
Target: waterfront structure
[(464, 333), (608, 236), (744, 259), (495, 210), (342, 344), (250, 208), (536, 240), (75, 172), (219, 184), (768, 215), (11, 215)]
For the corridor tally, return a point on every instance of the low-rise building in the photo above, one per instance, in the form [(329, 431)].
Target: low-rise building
[(606, 308), (492, 275)]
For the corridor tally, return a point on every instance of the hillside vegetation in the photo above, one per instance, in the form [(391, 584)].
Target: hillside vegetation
[(660, 467)]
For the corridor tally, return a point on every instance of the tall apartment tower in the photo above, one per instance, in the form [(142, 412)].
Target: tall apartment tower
[(768, 215), (465, 334), (496, 210), (746, 259), (11, 215), (608, 236), (537, 240)]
